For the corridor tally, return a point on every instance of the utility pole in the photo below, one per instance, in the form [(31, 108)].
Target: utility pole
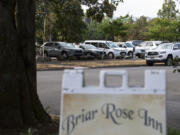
[(44, 24)]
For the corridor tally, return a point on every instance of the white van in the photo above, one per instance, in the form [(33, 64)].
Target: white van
[(110, 48)]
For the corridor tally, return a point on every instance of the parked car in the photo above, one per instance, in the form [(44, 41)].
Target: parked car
[(56, 49), (91, 50), (111, 49), (148, 45), (165, 53), (130, 49), (127, 46)]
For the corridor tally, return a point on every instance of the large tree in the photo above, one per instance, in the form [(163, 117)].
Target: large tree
[(19, 102), (69, 20), (168, 10), (138, 28), (163, 29)]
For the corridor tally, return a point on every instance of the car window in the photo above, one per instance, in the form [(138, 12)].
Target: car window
[(90, 47), (102, 45), (55, 45), (112, 45), (95, 44), (177, 46), (49, 44), (149, 44), (129, 45), (143, 44), (137, 42), (165, 46)]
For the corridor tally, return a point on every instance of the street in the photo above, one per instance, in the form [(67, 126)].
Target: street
[(49, 88)]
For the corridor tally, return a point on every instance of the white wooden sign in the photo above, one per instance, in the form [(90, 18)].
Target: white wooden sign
[(113, 111)]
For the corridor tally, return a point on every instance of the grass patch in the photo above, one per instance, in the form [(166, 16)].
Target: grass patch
[(173, 131)]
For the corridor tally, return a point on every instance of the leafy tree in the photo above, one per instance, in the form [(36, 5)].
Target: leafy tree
[(137, 29), (163, 29), (69, 20), (98, 9), (45, 21), (168, 10), (107, 30), (94, 32)]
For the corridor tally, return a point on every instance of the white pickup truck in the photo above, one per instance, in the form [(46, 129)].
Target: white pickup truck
[(165, 53)]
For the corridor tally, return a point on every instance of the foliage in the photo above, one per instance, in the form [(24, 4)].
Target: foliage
[(163, 29), (64, 20), (137, 29), (44, 21), (168, 10), (69, 20), (98, 9), (107, 30), (93, 32), (173, 131)]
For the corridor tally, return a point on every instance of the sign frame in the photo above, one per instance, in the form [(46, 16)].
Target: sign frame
[(155, 84)]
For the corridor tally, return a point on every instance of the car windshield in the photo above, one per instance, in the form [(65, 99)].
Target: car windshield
[(143, 44), (165, 46), (90, 47), (67, 45), (112, 45), (158, 43), (129, 45)]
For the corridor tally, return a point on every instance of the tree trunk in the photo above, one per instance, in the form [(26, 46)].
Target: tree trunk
[(19, 102)]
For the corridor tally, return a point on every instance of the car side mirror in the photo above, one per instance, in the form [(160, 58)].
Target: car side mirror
[(125, 46)]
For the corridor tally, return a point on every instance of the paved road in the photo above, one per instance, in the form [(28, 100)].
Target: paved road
[(49, 88)]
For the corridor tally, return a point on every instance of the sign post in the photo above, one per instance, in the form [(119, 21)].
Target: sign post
[(113, 111)]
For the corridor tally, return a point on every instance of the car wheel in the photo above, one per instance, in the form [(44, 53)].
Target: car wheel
[(111, 55), (149, 63), (65, 55), (130, 54), (89, 54), (169, 61)]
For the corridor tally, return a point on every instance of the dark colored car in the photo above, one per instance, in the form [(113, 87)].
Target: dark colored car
[(91, 50), (56, 49)]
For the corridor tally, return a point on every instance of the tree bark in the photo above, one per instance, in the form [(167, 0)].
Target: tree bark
[(19, 102)]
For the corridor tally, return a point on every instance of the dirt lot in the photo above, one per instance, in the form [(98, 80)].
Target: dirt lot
[(70, 64)]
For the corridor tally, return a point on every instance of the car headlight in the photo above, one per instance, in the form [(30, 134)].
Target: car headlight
[(164, 52)]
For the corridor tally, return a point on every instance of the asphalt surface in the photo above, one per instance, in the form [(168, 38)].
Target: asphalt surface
[(49, 88)]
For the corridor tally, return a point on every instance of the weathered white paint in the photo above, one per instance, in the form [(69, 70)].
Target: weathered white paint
[(155, 86)]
